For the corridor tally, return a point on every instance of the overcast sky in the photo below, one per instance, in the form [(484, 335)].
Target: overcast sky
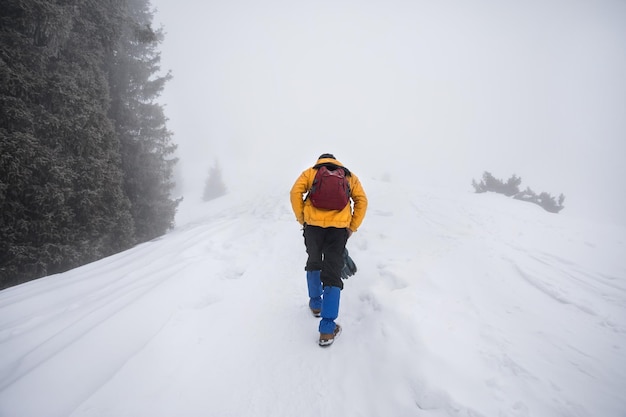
[(415, 89)]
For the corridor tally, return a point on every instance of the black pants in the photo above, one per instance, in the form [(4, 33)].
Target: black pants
[(325, 246)]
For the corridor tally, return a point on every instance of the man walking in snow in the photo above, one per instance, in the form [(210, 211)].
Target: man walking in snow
[(317, 201)]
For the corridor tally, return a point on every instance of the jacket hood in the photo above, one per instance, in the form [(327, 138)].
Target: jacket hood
[(330, 162)]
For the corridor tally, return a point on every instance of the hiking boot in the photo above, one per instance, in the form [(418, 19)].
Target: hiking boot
[(317, 312), (327, 339), (315, 304)]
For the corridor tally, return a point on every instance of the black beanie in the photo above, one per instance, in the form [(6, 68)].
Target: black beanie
[(326, 155)]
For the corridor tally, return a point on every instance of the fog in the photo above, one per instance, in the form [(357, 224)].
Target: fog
[(434, 92)]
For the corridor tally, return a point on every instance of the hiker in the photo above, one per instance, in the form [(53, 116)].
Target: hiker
[(328, 219)]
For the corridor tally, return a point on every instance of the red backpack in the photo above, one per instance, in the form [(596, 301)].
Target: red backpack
[(331, 189)]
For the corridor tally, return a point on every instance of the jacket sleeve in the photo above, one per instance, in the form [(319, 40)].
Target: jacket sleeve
[(300, 187), (360, 203)]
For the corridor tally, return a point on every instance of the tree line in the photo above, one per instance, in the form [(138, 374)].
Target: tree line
[(510, 188), (86, 159)]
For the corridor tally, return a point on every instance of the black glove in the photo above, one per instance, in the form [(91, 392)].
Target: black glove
[(349, 267)]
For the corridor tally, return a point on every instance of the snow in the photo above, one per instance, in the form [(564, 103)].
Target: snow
[(463, 305)]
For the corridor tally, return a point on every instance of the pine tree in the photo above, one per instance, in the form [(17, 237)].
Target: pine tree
[(490, 183), (527, 195), (511, 187), (60, 167), (85, 157), (549, 203), (147, 149), (214, 186)]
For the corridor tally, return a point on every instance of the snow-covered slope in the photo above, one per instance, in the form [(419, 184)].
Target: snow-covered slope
[(464, 305)]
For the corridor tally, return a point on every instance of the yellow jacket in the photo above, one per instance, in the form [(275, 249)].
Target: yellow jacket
[(350, 217)]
